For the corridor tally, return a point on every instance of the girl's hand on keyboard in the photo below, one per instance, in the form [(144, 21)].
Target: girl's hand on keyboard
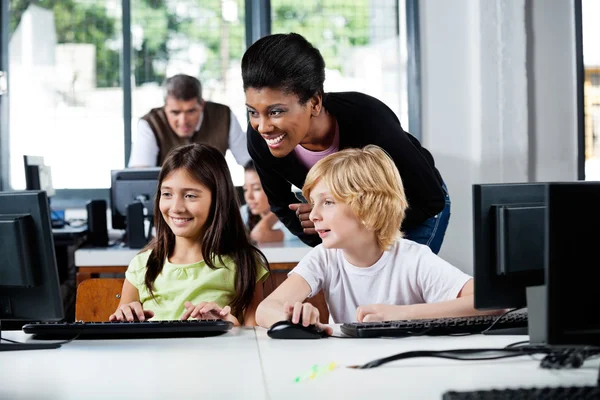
[(131, 312), (208, 310)]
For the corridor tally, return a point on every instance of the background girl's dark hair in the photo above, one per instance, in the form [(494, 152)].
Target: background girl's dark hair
[(286, 62), (252, 219), (225, 234)]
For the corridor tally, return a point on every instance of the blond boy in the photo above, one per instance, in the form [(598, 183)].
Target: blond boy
[(367, 271)]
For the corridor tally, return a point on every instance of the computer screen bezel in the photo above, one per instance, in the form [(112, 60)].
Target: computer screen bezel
[(492, 291), (44, 301), (560, 258), (119, 220)]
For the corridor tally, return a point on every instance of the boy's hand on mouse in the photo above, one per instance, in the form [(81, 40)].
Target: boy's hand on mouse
[(379, 312), (131, 312), (305, 314), (303, 213), (208, 310)]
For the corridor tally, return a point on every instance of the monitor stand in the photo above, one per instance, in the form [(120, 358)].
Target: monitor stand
[(536, 317), (4, 346)]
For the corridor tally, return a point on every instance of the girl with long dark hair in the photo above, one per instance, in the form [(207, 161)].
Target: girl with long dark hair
[(201, 262)]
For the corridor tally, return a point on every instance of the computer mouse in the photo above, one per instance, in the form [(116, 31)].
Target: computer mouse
[(288, 330)]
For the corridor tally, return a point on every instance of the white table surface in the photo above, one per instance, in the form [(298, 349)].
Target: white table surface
[(290, 251), (221, 367), (417, 378), (247, 364)]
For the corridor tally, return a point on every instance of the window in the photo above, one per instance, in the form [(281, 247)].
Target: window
[(66, 100), (591, 87), (67, 97), (204, 39), (359, 41)]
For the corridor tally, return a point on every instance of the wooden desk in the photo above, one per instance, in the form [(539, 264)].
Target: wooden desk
[(247, 364), (90, 262)]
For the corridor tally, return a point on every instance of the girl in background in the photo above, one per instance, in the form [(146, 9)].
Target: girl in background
[(263, 225)]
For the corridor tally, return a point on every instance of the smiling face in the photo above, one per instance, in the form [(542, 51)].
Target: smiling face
[(279, 118), (254, 194), (335, 222), (183, 115), (185, 205)]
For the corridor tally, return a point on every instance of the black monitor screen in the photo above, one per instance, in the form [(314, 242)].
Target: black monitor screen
[(29, 285), (573, 266), (508, 232), (129, 186)]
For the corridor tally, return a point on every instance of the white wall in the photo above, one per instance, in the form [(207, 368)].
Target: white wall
[(498, 99)]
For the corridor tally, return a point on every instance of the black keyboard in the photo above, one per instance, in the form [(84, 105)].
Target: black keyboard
[(509, 324), (561, 392), (127, 330)]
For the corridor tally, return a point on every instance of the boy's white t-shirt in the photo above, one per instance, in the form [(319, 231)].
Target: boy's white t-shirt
[(407, 273)]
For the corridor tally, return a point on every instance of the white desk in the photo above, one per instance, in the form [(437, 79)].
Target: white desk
[(247, 364), (221, 367), (281, 256), (417, 378)]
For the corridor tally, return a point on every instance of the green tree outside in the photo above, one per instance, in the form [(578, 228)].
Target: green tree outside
[(331, 25)]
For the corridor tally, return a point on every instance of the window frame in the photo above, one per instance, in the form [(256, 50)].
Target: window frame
[(258, 24)]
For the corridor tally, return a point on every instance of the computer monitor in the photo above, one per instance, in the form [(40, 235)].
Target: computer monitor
[(38, 176), (508, 232), (130, 186), (29, 283), (573, 240)]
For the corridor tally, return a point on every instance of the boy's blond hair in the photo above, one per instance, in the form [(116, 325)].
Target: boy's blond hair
[(368, 181)]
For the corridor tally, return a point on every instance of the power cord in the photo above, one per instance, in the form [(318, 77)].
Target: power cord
[(456, 354), (556, 358), (568, 358), (499, 318)]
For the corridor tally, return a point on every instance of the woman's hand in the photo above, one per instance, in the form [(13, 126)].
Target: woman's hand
[(305, 314), (208, 310), (303, 213), (131, 312)]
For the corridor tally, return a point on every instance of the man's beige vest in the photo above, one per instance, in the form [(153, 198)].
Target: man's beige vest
[(214, 130)]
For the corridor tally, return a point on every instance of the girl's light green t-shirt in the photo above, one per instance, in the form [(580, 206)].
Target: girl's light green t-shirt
[(179, 283)]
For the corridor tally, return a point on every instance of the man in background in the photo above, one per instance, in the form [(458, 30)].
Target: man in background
[(186, 118)]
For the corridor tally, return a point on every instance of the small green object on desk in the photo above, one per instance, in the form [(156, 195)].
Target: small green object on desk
[(315, 371)]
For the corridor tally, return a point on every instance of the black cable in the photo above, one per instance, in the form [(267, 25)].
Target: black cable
[(517, 344), (556, 358), (454, 355), (9, 340), (568, 357), (499, 318)]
